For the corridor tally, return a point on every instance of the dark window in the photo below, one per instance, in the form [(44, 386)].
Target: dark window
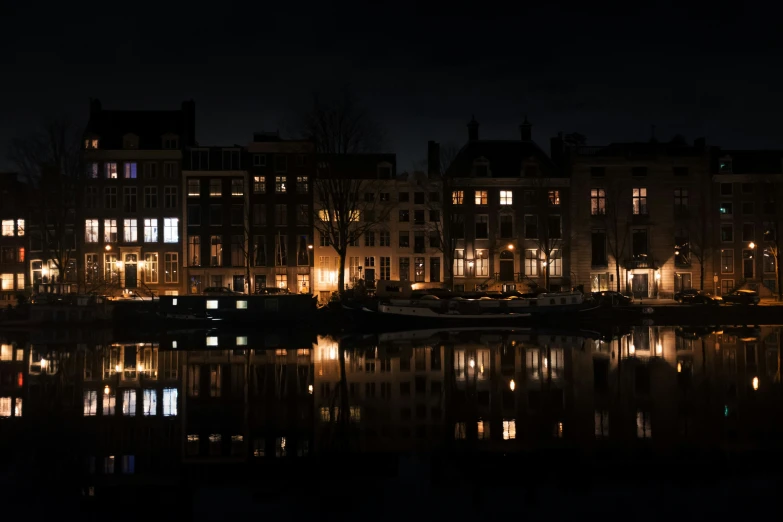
[(682, 251), (434, 272), (405, 240), (434, 216), (434, 197), (640, 243), (215, 214), (434, 240), (726, 189), (553, 227), (531, 227), (405, 269), (418, 217), (404, 197), (194, 214), (458, 227), (405, 216), (598, 244), (236, 215), (418, 242), (506, 226), (747, 188), (418, 198)]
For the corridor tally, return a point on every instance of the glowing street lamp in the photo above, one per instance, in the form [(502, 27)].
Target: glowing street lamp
[(752, 245), (512, 385), (755, 383)]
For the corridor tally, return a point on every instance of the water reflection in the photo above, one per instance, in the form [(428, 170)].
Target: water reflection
[(125, 407)]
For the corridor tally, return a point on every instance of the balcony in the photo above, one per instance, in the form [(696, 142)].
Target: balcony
[(640, 261)]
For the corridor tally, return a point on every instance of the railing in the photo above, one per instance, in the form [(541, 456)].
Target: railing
[(640, 263)]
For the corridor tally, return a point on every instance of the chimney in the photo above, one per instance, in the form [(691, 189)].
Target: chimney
[(95, 106), (473, 129), (526, 130), (433, 159), (189, 122)]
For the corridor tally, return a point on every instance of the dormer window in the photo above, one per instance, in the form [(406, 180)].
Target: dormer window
[(481, 168), (724, 166), (130, 141), (91, 143), (170, 142)]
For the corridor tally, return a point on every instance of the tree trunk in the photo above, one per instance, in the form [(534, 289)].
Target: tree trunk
[(701, 275), (341, 274), (617, 268), (779, 275), (546, 271)]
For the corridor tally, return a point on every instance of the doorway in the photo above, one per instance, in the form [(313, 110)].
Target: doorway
[(260, 282), (239, 284), (369, 277), (639, 285), (506, 266), (131, 262)]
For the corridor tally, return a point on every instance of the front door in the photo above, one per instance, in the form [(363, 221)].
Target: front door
[(239, 283), (260, 283), (369, 277), (639, 285), (506, 266), (130, 271)]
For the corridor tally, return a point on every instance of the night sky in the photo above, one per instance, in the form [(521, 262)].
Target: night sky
[(700, 72)]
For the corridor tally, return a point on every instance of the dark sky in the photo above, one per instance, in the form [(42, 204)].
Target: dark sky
[(700, 71)]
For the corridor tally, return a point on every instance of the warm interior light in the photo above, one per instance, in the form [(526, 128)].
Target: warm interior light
[(510, 246), (512, 385), (755, 383), (752, 245), (472, 363), (310, 247), (658, 349), (310, 388), (679, 367), (106, 390), (631, 349), (117, 368), (108, 247), (119, 265)]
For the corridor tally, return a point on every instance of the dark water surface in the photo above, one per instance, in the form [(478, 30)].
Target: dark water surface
[(644, 423)]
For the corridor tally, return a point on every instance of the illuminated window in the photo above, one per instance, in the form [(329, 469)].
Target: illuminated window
[(459, 430), (280, 184), (509, 429), (170, 230), (130, 230), (130, 171), (129, 403), (108, 403), (259, 184), (215, 187), (237, 187), (554, 197), (457, 197), (302, 184), (597, 202), (91, 143), (150, 402), (506, 197), (482, 429), (481, 197), (640, 201), (91, 231), (90, 403), (170, 402), (242, 341), (212, 304), (111, 170), (643, 425), (194, 187), (212, 341), (242, 305), (8, 227), (5, 406)]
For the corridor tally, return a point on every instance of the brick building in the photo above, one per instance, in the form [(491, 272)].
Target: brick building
[(132, 233), (13, 241)]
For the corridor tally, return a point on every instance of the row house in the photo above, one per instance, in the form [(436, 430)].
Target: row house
[(13, 242), (132, 233), (639, 216), (509, 215), (398, 217), (747, 186), (248, 215)]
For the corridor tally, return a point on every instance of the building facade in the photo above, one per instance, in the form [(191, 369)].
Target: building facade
[(639, 216), (746, 188), (13, 241), (131, 237), (509, 215)]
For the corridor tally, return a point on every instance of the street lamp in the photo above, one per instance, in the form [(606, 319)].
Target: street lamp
[(752, 245)]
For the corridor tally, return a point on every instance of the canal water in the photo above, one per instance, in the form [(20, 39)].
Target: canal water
[(643, 422)]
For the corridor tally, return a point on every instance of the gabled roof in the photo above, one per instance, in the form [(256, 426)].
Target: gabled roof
[(506, 158), (150, 126), (753, 161)]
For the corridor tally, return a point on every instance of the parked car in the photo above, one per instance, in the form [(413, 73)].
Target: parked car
[(744, 297), (700, 297), (220, 290), (610, 297), (679, 296)]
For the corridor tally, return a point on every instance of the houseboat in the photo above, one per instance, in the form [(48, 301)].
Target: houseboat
[(212, 310)]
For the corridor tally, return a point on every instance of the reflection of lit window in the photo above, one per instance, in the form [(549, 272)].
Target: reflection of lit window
[(483, 429), (280, 450), (150, 402), (601, 424), (509, 429), (90, 403), (459, 430), (643, 427), (242, 305), (532, 361), (192, 445), (129, 403), (325, 414), (259, 447), (212, 341), (356, 414)]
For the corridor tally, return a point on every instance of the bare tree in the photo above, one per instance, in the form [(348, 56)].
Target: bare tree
[(341, 128), (450, 227), (700, 241), (50, 162), (550, 238), (617, 230), (773, 227)]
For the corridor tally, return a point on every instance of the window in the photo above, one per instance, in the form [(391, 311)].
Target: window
[(259, 252), (170, 197), (769, 231), (404, 216), (482, 263), (259, 214), (110, 197), (281, 251), (556, 263), (129, 403), (597, 202), (506, 197), (216, 251), (369, 238), (130, 170), (215, 187), (280, 184), (384, 238), (151, 268), (385, 273), (194, 187), (20, 227), (150, 197), (404, 197), (457, 197), (481, 197), (727, 285), (640, 201), (8, 227), (554, 197), (109, 230), (129, 199), (237, 250), (171, 267), (302, 215), (281, 215), (169, 170), (531, 227), (726, 210), (110, 170), (506, 226), (281, 163), (639, 243), (7, 281), (769, 261), (91, 170), (747, 208), (682, 247), (598, 248), (748, 232), (459, 263), (216, 215), (259, 160), (170, 230), (194, 251), (231, 160), (130, 230), (150, 230), (418, 217), (108, 403), (531, 262), (91, 268), (170, 142), (405, 269), (90, 230), (90, 403), (726, 189), (150, 402), (302, 184), (680, 201), (434, 216), (405, 240), (259, 184), (111, 273), (418, 269), (384, 196), (482, 226), (199, 159), (748, 264), (727, 261), (237, 187), (553, 227), (237, 215), (91, 197)]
